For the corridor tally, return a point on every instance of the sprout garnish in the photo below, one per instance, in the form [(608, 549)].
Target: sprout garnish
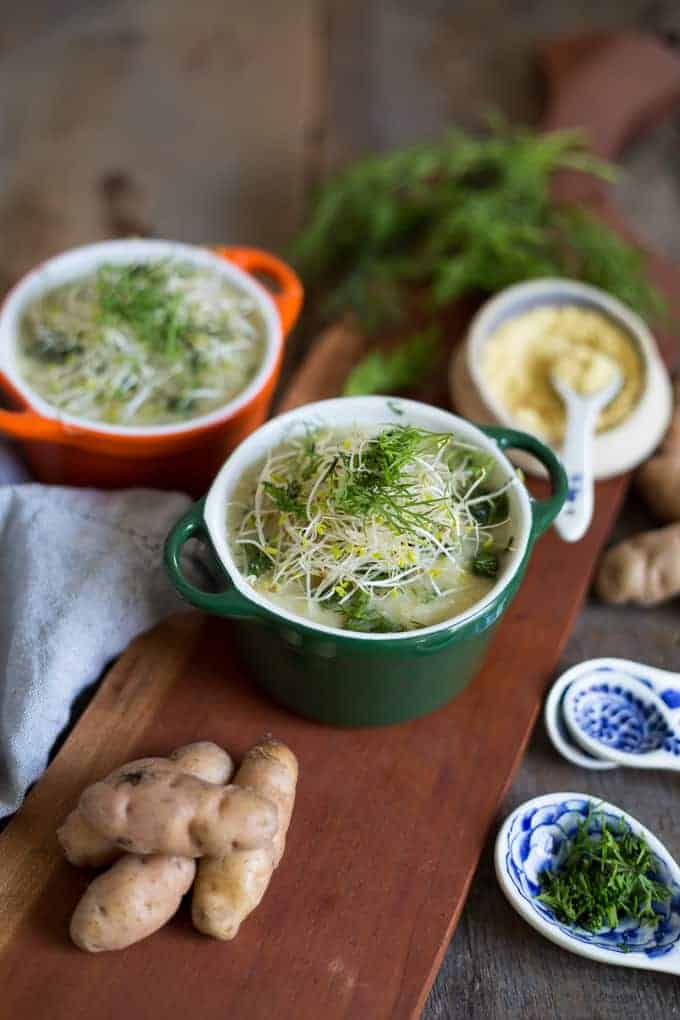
[(349, 521)]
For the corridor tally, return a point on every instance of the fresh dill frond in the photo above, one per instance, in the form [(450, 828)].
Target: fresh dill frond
[(593, 252), (139, 295), (401, 368), (607, 877), (461, 217)]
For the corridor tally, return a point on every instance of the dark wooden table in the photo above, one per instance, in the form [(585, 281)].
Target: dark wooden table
[(211, 122)]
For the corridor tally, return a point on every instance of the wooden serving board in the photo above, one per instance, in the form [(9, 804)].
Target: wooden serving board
[(389, 822)]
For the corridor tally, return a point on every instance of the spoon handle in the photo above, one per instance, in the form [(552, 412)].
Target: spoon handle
[(577, 457)]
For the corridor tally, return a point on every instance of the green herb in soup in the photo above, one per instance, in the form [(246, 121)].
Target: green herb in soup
[(143, 343), (373, 532)]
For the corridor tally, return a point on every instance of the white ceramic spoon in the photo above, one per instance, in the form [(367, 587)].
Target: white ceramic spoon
[(622, 720), (537, 835), (557, 728), (577, 451)]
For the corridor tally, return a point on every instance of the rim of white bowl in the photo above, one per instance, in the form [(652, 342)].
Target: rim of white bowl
[(76, 262), (373, 410), (619, 448), (532, 917)]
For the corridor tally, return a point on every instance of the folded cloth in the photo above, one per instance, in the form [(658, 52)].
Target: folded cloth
[(80, 576)]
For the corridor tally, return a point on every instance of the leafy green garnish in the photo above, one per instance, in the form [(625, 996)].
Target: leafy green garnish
[(285, 497), (491, 509), (257, 561), (52, 346), (138, 295), (601, 257), (378, 488), (464, 216), (359, 616), (485, 565), (607, 877), (404, 366), (180, 403)]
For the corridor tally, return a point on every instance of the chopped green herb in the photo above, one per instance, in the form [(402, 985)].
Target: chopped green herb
[(53, 346), (607, 877), (139, 296), (359, 615), (485, 565), (257, 561), (180, 403), (491, 509), (378, 488), (285, 498)]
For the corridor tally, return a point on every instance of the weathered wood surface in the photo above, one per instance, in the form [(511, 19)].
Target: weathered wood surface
[(185, 121), (100, 132)]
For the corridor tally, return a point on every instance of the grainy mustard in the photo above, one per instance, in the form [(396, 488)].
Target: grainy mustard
[(518, 358)]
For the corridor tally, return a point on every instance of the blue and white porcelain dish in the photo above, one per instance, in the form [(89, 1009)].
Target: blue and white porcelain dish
[(536, 837), (560, 736), (623, 719), (662, 682)]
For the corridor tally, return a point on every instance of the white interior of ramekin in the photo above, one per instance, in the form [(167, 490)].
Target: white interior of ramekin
[(622, 447), (369, 412), (78, 262)]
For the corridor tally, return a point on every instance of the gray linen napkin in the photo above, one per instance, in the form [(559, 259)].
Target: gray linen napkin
[(80, 576)]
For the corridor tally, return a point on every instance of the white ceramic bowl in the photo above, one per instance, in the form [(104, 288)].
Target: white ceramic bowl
[(618, 449)]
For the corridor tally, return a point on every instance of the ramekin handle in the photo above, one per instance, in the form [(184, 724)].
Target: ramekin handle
[(225, 603), (289, 292), (544, 511)]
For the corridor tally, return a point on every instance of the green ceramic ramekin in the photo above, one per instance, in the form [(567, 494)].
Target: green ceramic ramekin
[(341, 677)]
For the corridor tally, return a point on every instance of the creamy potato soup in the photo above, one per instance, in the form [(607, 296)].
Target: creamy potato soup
[(141, 343), (372, 531)]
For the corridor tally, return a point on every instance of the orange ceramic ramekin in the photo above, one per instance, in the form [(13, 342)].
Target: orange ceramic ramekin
[(61, 449)]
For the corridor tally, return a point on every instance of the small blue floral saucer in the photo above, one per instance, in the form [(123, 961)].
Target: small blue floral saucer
[(536, 838)]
